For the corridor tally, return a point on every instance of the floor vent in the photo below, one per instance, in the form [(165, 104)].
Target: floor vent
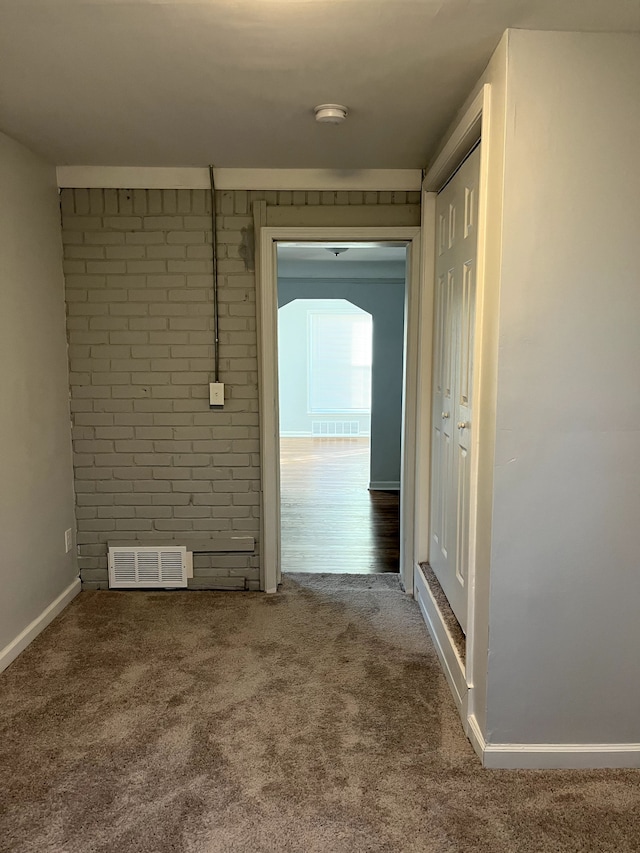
[(147, 567), (335, 428)]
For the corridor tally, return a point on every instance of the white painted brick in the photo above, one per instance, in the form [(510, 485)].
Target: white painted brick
[(75, 295), (147, 295), (133, 524), (126, 281), (103, 238), (113, 223), (133, 419), (84, 309), (129, 364), (84, 282), (127, 309), (155, 459), (110, 201), (166, 252), (108, 295), (202, 267), (123, 252), (171, 392), (138, 276), (84, 252), (145, 238), (150, 323), (163, 223), (130, 499), (105, 323), (191, 486), (154, 201), (169, 201), (185, 237), (156, 265), (125, 201)]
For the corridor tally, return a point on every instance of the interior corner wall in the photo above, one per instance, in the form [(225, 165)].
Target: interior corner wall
[(152, 461), (565, 585), (36, 482)]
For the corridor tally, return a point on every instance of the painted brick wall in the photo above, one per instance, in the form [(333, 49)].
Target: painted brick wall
[(151, 460)]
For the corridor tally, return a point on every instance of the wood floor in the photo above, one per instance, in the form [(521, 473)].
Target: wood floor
[(330, 521)]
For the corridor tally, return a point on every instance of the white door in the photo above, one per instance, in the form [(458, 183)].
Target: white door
[(456, 248)]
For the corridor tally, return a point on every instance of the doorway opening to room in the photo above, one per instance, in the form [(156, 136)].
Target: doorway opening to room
[(340, 357), (270, 240)]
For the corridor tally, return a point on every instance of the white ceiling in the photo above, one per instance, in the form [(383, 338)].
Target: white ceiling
[(354, 254), (233, 82), (312, 260)]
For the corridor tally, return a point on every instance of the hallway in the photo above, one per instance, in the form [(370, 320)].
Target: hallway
[(330, 521)]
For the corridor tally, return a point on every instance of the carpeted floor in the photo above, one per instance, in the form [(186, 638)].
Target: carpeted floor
[(314, 721)]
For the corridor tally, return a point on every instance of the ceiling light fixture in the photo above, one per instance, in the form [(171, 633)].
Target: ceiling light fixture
[(330, 113), (337, 250)]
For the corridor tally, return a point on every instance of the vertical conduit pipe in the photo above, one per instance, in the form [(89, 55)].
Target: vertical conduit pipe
[(214, 248)]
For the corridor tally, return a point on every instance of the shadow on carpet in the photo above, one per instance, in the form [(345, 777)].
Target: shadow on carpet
[(313, 721)]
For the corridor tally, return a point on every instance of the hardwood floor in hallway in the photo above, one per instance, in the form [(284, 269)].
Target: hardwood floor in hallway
[(330, 520)]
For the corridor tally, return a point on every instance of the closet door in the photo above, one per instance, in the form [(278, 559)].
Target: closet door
[(454, 318)]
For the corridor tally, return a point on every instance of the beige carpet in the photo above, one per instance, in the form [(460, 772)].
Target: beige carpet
[(315, 721)]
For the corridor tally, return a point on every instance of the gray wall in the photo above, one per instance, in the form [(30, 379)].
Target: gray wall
[(565, 579), (36, 484), (152, 461), (384, 300)]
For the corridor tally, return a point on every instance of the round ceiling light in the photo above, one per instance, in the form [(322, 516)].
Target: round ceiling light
[(330, 113)]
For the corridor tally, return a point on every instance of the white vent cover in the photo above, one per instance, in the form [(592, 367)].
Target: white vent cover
[(335, 428), (147, 567)]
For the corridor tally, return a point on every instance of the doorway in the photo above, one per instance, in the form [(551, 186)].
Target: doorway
[(340, 371), (272, 241)]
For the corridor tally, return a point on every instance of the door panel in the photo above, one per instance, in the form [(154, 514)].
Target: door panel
[(454, 318)]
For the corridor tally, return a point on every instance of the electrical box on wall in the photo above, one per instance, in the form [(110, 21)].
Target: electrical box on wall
[(216, 395)]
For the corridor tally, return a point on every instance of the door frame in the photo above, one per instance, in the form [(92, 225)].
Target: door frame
[(267, 315), (472, 127)]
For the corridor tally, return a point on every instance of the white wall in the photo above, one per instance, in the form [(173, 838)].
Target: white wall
[(36, 492), (294, 368), (384, 300), (565, 575)]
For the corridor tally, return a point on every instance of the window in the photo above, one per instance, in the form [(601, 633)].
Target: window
[(340, 361)]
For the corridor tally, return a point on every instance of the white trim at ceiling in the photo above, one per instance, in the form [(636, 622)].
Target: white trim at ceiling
[(466, 134), (196, 178)]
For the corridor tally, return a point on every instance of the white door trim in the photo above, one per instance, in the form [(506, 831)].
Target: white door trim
[(473, 126), (463, 138), (267, 311)]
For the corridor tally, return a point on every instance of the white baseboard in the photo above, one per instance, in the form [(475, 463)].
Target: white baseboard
[(512, 756), (476, 737), (552, 756), (384, 486), (13, 649), (452, 664), (561, 756)]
